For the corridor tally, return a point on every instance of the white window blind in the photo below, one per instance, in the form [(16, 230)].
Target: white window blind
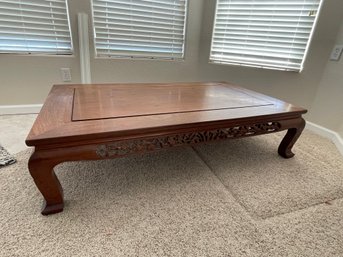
[(272, 34), (34, 27), (140, 28)]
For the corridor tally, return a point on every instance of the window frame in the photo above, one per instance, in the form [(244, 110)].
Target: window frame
[(143, 58), (52, 54), (275, 68)]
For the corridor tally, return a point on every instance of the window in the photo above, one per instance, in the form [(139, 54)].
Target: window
[(272, 34), (140, 28), (34, 27)]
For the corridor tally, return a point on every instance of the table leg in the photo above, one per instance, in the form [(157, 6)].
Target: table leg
[(293, 133), (47, 182)]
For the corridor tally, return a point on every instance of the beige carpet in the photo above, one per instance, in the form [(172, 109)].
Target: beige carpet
[(239, 199), (271, 185)]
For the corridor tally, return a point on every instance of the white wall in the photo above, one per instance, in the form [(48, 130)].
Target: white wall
[(297, 88), (290, 86), (327, 109), (27, 79), (340, 132), (115, 70)]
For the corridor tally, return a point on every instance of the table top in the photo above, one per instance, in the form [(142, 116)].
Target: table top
[(75, 113), (120, 101)]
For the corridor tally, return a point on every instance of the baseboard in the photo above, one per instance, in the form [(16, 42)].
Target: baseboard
[(327, 133), (20, 109)]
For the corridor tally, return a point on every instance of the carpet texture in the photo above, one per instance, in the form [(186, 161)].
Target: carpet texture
[(174, 203), (267, 185)]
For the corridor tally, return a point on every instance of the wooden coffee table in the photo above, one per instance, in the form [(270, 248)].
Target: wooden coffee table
[(95, 122)]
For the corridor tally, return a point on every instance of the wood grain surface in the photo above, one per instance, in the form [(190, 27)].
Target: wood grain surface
[(65, 119), (120, 101), (94, 122)]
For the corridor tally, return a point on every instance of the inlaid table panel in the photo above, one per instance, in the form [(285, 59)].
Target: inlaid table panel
[(121, 101), (99, 121)]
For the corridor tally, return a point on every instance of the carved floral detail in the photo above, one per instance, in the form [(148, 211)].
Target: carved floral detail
[(125, 147)]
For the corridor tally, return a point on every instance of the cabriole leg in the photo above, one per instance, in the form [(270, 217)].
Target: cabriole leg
[(48, 184), (293, 133)]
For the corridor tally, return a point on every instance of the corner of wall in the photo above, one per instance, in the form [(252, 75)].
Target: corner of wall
[(340, 132), (329, 95), (335, 137)]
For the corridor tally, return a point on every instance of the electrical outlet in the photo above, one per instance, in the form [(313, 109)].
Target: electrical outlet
[(66, 74), (336, 53)]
